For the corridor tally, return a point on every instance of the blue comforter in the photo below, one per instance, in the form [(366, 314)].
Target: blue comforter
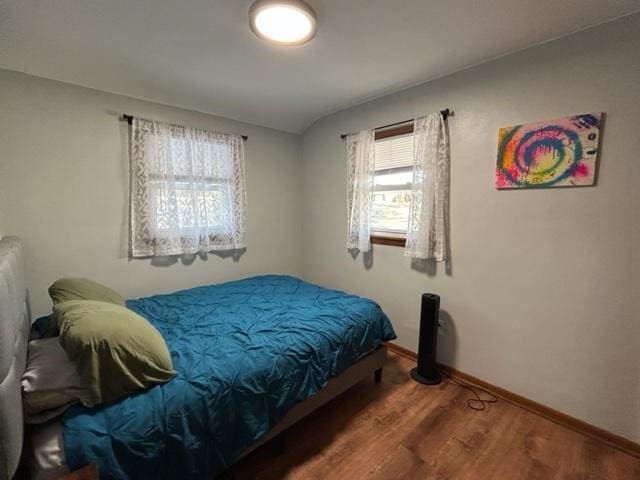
[(245, 352)]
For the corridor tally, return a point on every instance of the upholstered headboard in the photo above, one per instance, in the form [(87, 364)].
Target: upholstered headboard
[(14, 335)]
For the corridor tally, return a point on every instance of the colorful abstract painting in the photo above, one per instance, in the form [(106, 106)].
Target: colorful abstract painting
[(555, 153)]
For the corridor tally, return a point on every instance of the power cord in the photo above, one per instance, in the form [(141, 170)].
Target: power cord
[(476, 403)]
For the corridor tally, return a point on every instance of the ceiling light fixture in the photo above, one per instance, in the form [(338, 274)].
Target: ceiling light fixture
[(283, 22)]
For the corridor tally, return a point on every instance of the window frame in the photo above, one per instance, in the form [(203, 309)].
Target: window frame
[(380, 237)]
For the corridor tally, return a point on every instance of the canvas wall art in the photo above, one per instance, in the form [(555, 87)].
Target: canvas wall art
[(555, 153)]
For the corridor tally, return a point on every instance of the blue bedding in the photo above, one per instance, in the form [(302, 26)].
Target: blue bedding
[(245, 352)]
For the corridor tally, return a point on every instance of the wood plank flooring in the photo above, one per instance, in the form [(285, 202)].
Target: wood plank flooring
[(399, 429)]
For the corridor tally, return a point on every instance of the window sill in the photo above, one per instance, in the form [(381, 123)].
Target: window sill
[(393, 240)]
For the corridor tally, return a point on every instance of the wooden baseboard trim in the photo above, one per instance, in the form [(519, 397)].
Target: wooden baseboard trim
[(403, 352), (563, 419)]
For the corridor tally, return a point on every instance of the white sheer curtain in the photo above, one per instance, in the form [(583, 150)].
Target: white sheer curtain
[(187, 192), (427, 234), (360, 148)]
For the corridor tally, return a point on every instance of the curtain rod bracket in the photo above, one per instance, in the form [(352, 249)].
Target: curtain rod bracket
[(446, 113), (129, 119)]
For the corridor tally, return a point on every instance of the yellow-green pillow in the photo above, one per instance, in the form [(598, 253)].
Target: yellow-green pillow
[(116, 351), (67, 289)]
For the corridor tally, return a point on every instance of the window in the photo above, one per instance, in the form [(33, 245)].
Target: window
[(187, 190), (398, 187), (392, 185)]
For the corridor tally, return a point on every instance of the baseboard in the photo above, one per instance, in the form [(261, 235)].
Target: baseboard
[(563, 419), (403, 352)]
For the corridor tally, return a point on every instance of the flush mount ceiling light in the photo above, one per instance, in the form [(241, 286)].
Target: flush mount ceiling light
[(283, 22)]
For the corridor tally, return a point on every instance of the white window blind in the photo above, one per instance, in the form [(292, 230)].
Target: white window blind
[(394, 152)]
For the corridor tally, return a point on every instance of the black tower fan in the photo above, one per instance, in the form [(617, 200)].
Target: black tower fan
[(426, 371)]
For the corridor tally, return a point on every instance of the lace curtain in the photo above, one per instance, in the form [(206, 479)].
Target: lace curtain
[(187, 192), (360, 148), (427, 234)]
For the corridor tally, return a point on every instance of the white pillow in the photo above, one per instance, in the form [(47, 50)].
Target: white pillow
[(50, 383)]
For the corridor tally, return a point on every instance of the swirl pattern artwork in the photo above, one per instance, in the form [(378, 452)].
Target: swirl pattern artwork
[(555, 153)]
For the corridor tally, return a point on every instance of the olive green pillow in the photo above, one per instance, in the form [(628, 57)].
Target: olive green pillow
[(67, 289), (116, 351)]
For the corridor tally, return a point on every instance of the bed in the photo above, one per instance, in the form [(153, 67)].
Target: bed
[(253, 356)]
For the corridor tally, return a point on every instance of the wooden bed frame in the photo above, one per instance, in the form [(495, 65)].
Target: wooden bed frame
[(14, 325)]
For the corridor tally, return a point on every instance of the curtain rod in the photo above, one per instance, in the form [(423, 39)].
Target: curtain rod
[(445, 114), (129, 119)]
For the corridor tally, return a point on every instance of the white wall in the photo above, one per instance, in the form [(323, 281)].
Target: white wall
[(63, 190), (543, 298)]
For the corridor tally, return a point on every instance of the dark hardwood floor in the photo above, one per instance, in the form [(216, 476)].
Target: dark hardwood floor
[(399, 429)]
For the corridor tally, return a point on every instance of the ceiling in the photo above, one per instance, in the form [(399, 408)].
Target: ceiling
[(201, 55)]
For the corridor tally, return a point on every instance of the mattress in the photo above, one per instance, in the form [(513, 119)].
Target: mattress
[(246, 352)]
